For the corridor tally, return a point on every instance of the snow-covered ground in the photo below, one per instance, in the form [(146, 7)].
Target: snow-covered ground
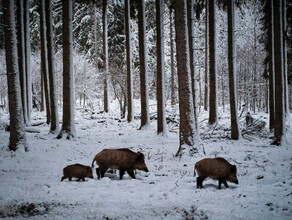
[(31, 186)]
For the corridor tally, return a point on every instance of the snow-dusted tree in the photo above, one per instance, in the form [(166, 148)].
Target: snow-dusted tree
[(17, 137), (235, 130), (187, 127), (269, 45), (68, 123), (44, 59), (213, 111), (160, 87), (172, 59), (27, 60), (129, 62), (51, 64), (191, 34), (105, 54), (21, 56), (206, 94), (145, 119), (279, 75)]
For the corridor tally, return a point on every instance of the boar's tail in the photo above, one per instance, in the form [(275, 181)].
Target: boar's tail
[(92, 165)]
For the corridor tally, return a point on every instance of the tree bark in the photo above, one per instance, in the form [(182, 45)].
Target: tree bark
[(27, 61), (187, 127), (161, 120), (235, 130), (145, 120), (279, 75), (129, 62), (212, 67), (17, 137), (52, 78), (105, 55), (172, 70), (44, 59), (68, 124), (21, 57)]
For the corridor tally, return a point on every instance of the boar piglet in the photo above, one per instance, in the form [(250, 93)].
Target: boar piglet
[(78, 171), (122, 159), (216, 168)]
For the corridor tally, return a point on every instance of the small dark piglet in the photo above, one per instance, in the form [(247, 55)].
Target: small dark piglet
[(216, 168), (78, 171), (123, 159)]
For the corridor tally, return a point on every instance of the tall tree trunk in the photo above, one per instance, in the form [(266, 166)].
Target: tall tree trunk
[(172, 85), (206, 95), (235, 130), (52, 78), (187, 127), (129, 62), (271, 64), (27, 61), (17, 137), (21, 57), (145, 119), (68, 124), (191, 34), (212, 67), (285, 70), (105, 55), (44, 58), (279, 75), (161, 120)]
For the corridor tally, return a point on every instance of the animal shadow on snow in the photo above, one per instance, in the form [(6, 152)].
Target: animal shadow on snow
[(215, 186)]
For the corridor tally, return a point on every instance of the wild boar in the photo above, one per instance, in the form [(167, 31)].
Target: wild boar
[(122, 159), (216, 168), (78, 171)]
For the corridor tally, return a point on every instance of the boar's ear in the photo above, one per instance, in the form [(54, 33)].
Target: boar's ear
[(140, 156), (234, 168)]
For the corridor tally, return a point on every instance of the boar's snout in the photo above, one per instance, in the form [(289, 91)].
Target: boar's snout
[(145, 169), (236, 181)]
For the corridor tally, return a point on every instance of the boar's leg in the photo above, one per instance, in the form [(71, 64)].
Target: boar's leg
[(131, 173), (64, 177), (102, 171), (97, 173), (70, 178), (224, 182), (200, 182), (122, 172)]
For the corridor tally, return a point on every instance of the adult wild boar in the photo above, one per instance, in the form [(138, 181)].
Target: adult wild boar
[(216, 168), (77, 171), (122, 159)]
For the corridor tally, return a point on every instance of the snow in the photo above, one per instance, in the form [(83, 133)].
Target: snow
[(31, 186)]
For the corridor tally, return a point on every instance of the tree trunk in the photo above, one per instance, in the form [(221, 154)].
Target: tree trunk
[(52, 78), (187, 127), (105, 55), (129, 62), (68, 124), (27, 61), (145, 120), (271, 64), (21, 57), (279, 75), (191, 34), (17, 137), (161, 120), (206, 59), (44, 58), (172, 85), (235, 131), (212, 67)]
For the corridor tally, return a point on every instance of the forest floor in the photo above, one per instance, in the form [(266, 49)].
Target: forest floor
[(31, 186)]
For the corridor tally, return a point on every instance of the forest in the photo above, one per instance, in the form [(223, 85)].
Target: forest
[(177, 81)]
